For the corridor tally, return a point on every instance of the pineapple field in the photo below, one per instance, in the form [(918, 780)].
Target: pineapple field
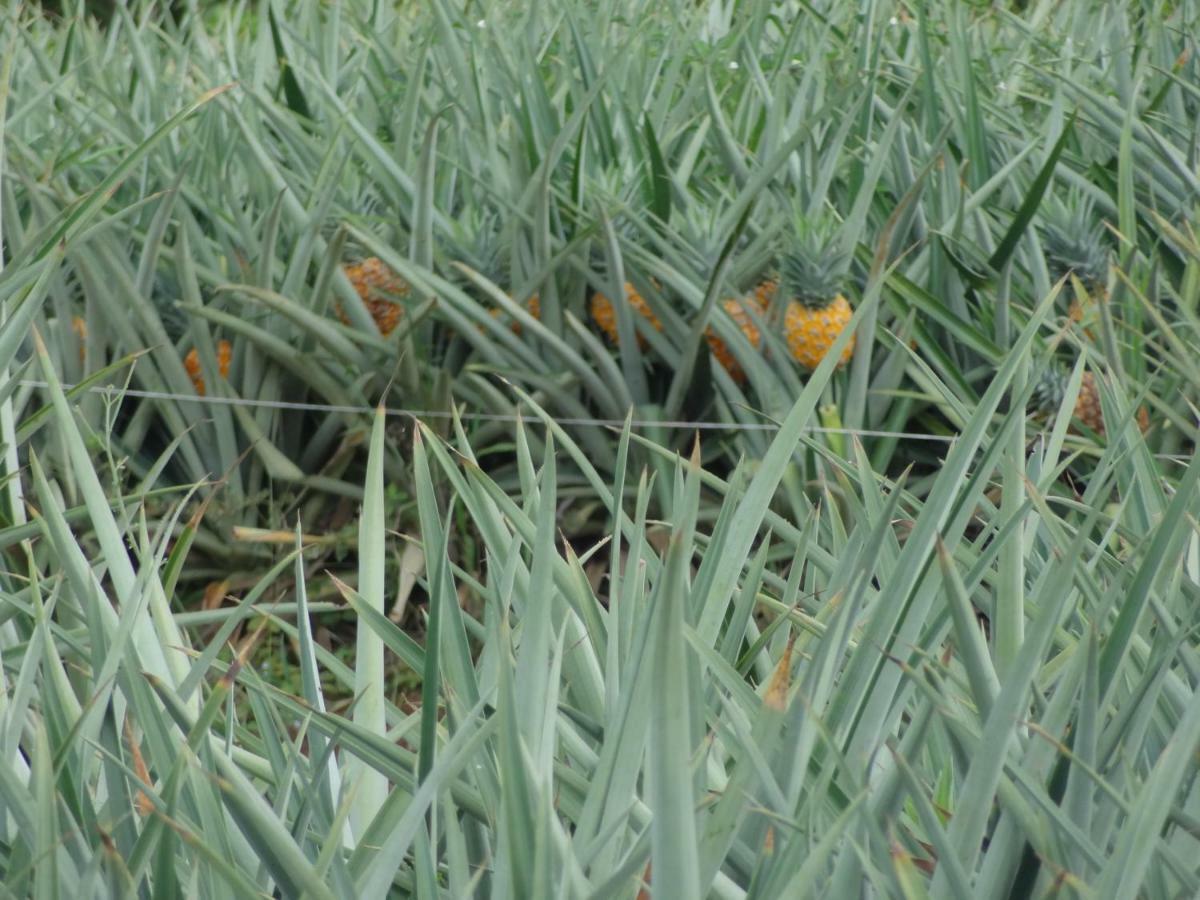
[(726, 449)]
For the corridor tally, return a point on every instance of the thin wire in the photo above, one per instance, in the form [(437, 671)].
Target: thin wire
[(679, 424)]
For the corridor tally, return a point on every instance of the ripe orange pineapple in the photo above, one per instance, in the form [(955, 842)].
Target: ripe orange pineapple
[(191, 362), (605, 316), (766, 290), (816, 310), (1087, 405), (380, 289), (534, 307), (742, 312), (1048, 396)]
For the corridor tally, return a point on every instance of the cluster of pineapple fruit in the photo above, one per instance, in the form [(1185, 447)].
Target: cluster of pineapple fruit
[(378, 286), (812, 320), (813, 316), (805, 296), (383, 292), (380, 289)]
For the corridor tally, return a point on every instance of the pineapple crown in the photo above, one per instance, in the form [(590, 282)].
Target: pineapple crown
[(481, 244), (701, 238), (600, 263), (164, 294), (812, 267), (1074, 243), (1050, 388)]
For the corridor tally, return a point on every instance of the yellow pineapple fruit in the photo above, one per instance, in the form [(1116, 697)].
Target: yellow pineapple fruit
[(816, 310), (811, 330), (191, 362), (380, 289), (742, 312), (605, 316)]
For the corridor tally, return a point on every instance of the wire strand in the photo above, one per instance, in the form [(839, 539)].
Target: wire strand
[(676, 424), (673, 424)]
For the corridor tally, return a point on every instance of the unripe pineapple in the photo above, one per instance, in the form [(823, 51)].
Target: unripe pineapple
[(817, 311), (380, 289), (191, 362), (742, 312), (605, 316)]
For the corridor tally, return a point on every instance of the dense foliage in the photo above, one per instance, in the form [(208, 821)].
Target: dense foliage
[(732, 449)]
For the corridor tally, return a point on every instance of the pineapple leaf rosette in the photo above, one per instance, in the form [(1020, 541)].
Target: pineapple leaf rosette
[(1075, 247), (702, 245), (488, 246)]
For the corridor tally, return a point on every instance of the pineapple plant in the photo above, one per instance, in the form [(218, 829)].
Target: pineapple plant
[(811, 278), (605, 316), (743, 313), (1074, 245), (380, 289), (481, 242), (191, 362), (1048, 397)]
